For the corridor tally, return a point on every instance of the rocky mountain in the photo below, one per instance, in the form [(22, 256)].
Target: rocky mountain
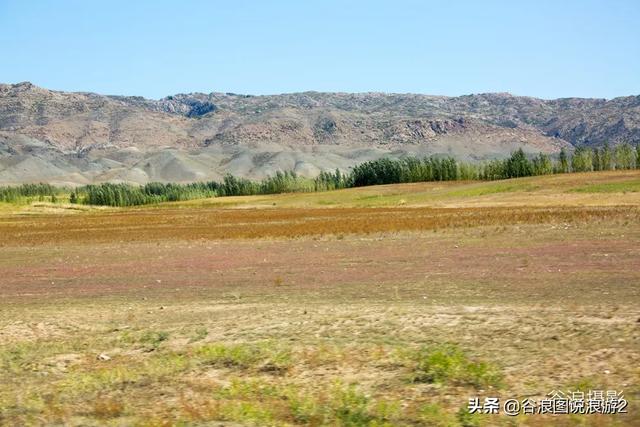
[(77, 138)]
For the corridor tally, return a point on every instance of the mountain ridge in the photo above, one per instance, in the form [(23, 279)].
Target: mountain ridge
[(81, 137)]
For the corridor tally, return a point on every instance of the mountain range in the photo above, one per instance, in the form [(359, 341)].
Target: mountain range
[(71, 138)]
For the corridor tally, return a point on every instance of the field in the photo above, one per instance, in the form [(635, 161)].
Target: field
[(378, 306)]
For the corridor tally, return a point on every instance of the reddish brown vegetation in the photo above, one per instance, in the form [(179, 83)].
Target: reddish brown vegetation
[(197, 223)]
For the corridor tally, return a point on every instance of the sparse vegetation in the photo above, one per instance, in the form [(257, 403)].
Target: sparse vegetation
[(154, 339), (449, 364), (390, 308), (433, 415), (377, 172), (199, 335), (264, 356), (467, 419)]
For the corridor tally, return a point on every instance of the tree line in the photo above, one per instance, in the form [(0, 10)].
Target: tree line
[(605, 158), (31, 192), (411, 169), (375, 172), (110, 194)]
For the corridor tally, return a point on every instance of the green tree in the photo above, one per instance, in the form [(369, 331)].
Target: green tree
[(564, 161), (624, 156), (606, 158), (582, 160), (597, 163), (467, 171), (542, 164), (518, 165)]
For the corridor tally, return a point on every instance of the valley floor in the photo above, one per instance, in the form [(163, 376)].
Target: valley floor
[(388, 305)]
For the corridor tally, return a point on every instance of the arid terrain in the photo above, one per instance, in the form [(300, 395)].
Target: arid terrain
[(379, 306), (71, 138)]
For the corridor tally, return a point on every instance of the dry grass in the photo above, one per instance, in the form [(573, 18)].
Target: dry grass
[(367, 316), (581, 189), (199, 223)]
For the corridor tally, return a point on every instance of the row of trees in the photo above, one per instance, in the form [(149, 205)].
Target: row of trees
[(281, 182), (624, 156), (387, 171), (601, 159), (328, 181), (109, 194), (518, 165), (410, 169), (376, 172), (31, 191)]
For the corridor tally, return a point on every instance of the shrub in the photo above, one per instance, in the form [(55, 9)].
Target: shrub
[(154, 338), (433, 415), (349, 406), (449, 364), (467, 419), (264, 356)]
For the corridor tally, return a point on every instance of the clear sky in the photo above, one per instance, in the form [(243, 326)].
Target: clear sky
[(156, 48)]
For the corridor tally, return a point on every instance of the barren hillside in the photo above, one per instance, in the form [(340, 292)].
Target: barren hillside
[(77, 138)]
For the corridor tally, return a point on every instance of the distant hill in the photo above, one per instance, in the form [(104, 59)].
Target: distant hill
[(76, 138)]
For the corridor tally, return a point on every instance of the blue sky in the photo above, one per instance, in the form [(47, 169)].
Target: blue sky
[(547, 49)]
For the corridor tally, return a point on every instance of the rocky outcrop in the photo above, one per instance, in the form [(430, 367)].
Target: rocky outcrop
[(97, 137)]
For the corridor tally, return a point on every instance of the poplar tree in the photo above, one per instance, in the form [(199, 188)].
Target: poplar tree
[(564, 162), (624, 156), (606, 159)]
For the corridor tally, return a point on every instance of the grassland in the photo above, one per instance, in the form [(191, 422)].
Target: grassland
[(387, 305)]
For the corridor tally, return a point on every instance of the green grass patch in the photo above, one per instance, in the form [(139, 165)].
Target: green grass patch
[(119, 374), (492, 188), (431, 414), (199, 334), (448, 364), (609, 187), (467, 419), (31, 356), (350, 406), (264, 402), (154, 338), (266, 357), (150, 339), (344, 405), (249, 412)]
